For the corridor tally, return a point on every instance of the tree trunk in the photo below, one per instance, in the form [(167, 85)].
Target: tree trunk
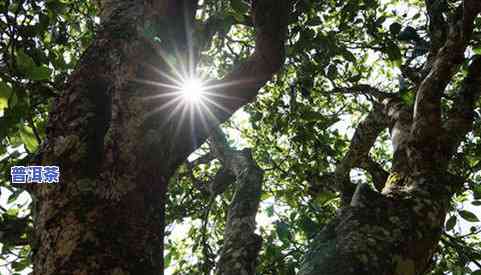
[(116, 147), (106, 214), (390, 233), (395, 231), (241, 244)]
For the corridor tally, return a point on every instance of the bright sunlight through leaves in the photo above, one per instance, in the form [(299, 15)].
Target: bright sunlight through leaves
[(192, 90)]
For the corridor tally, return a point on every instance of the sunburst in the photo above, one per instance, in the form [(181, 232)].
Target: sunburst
[(193, 90), (185, 92)]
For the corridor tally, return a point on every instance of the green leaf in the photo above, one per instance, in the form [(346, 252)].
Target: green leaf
[(332, 72), (40, 73), (239, 6), (477, 272), (13, 212), (477, 192), (28, 138), (469, 216), (20, 265), (408, 98), (393, 52), (408, 34), (309, 226), (282, 230), (355, 78), (314, 21), (312, 116), (270, 211), (395, 28), (24, 62), (5, 92), (56, 6), (348, 55), (28, 67), (167, 259), (43, 23), (13, 197), (476, 203), (451, 222)]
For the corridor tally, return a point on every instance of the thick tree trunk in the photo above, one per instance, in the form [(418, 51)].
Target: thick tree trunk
[(390, 233), (106, 214), (396, 231), (116, 150)]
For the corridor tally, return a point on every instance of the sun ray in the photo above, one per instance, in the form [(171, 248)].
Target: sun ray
[(185, 109), (175, 111), (212, 94), (192, 123), (162, 107), (202, 117), (177, 81), (162, 95), (154, 83), (167, 58), (218, 105), (209, 112), (230, 83), (183, 73)]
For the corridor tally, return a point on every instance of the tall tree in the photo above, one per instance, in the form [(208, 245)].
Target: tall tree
[(117, 151)]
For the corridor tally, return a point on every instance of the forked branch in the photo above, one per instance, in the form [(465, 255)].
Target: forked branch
[(241, 245), (426, 128)]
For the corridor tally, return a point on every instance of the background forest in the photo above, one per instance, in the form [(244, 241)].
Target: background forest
[(306, 129)]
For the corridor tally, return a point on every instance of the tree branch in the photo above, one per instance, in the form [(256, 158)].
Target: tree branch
[(366, 90), (241, 245), (239, 87), (437, 27), (361, 143), (378, 174), (426, 127), (200, 160), (243, 83), (461, 116), (412, 74), (357, 156), (400, 117)]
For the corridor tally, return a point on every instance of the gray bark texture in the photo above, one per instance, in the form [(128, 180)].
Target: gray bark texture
[(117, 150), (241, 244), (395, 229)]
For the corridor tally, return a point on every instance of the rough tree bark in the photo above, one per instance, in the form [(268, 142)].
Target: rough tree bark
[(241, 245), (116, 150), (395, 229)]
